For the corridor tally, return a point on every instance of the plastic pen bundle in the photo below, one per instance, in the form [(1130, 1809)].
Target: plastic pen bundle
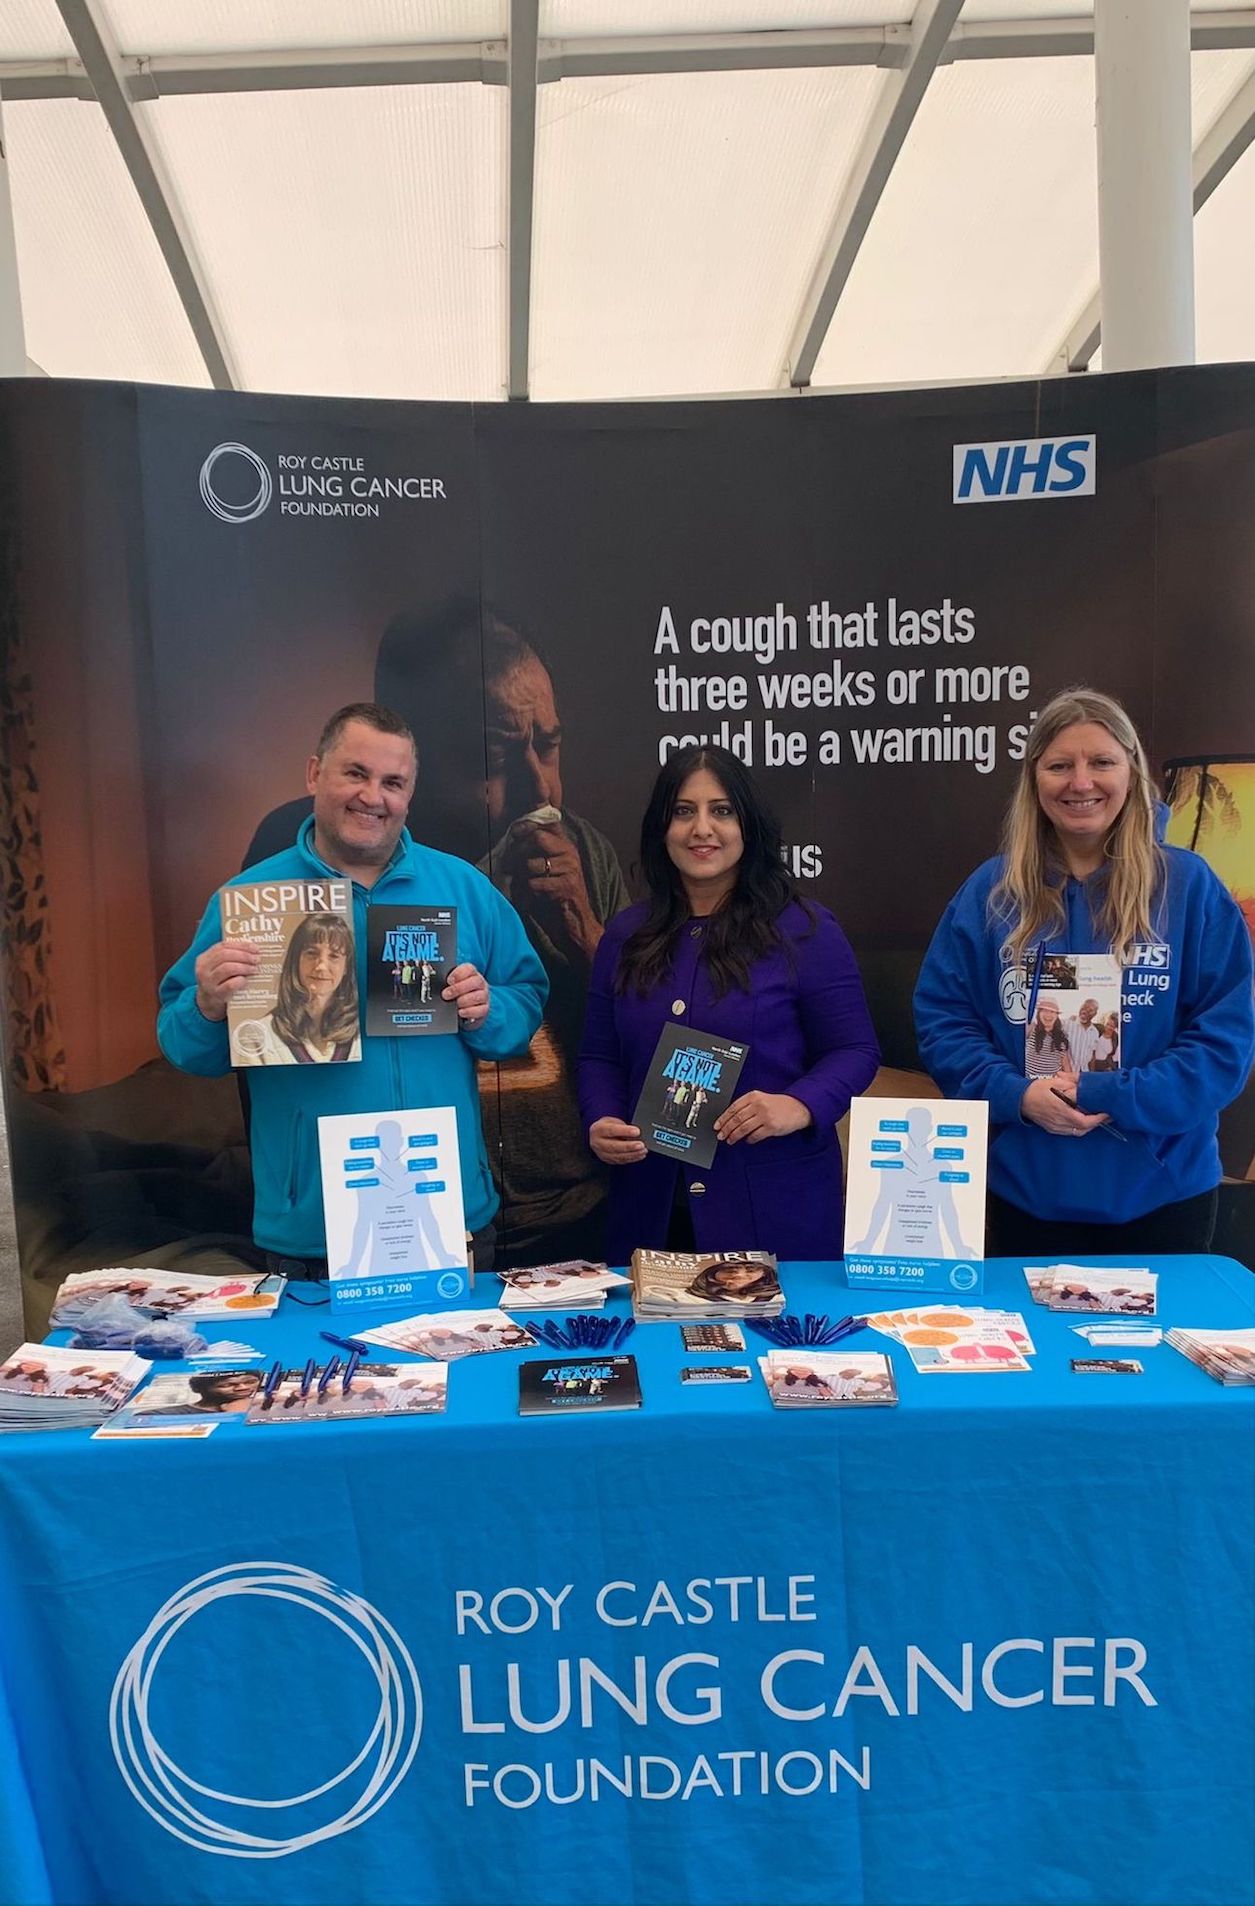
[(790, 1331), (585, 1331)]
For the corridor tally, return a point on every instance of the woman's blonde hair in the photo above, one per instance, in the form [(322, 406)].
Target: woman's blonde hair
[(1029, 896)]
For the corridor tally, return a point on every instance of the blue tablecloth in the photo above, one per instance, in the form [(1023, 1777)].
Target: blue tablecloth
[(992, 1645)]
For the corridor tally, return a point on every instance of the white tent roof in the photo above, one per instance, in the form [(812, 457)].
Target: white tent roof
[(401, 198)]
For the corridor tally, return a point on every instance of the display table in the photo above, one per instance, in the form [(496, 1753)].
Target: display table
[(993, 1645)]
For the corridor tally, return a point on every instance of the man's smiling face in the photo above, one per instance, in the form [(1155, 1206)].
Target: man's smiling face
[(362, 789)]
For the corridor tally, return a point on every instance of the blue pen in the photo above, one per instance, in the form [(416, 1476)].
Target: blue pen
[(624, 1332), (328, 1373), (344, 1343), (350, 1371), (308, 1377), (274, 1378)]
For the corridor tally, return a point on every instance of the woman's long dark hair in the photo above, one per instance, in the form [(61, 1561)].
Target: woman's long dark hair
[(744, 927), (291, 1016)]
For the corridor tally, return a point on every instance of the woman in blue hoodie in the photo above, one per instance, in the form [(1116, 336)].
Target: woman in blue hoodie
[(1082, 873)]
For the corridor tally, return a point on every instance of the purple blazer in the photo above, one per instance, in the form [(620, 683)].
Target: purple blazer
[(806, 1023)]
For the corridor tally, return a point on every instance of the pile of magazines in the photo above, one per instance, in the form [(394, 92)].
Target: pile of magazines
[(1226, 1355), (46, 1388), (680, 1284)]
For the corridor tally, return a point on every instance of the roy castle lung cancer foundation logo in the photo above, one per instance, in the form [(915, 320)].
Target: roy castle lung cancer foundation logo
[(235, 484), (230, 1824)]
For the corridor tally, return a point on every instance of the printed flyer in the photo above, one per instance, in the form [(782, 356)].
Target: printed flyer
[(915, 1193), (392, 1198)]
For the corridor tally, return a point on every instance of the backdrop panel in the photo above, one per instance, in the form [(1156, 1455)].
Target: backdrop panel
[(555, 596)]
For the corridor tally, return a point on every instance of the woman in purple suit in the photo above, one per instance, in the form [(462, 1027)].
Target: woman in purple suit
[(725, 945)]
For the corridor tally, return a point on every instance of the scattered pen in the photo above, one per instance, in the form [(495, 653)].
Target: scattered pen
[(350, 1371), (328, 1373), (308, 1376), (344, 1343)]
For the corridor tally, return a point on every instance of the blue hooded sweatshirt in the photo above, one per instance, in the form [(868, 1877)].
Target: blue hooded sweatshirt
[(1187, 1041), (393, 1074)]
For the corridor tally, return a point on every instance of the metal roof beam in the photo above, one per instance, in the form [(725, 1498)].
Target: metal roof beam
[(94, 46), (524, 17), (1215, 156), (456, 62), (891, 121)]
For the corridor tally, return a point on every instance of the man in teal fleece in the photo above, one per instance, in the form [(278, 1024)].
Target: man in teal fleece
[(362, 778)]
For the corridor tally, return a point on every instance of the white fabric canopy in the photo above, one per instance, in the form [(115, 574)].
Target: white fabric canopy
[(326, 196)]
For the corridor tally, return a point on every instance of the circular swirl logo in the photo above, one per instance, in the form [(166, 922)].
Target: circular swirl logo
[(228, 509), (170, 1794)]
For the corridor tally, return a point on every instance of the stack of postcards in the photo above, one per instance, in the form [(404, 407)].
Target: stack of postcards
[(1226, 1355), (679, 1284), (42, 1387), (576, 1284)]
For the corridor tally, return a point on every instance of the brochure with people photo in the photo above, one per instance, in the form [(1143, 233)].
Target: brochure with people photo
[(1132, 1290), (1226, 1355), (166, 1294), (680, 1284), (203, 1397), (44, 1386), (300, 1007), (1073, 1024), (577, 1284), (410, 952), (803, 1379), (374, 1389), (691, 1079), (453, 1333)]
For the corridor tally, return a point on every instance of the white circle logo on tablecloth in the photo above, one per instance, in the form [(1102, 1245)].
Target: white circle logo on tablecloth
[(168, 1793), (223, 508)]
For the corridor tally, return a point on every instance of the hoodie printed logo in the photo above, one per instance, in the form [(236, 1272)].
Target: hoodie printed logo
[(1013, 994)]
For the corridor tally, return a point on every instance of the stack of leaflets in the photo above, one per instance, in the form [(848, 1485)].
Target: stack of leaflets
[(1080, 1287), (576, 1284), (679, 1284), (376, 1389), (46, 1388), (804, 1378), (554, 1386), (184, 1404), (1226, 1355), (166, 1293), (956, 1338), (447, 1334)]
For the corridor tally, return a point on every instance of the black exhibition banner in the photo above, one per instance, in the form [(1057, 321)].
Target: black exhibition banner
[(867, 597)]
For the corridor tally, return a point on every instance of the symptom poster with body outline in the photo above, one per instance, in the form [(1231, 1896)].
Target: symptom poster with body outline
[(392, 1199), (915, 1193)]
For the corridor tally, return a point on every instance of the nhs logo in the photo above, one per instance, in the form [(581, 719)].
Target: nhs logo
[(1018, 472), (1142, 958)]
